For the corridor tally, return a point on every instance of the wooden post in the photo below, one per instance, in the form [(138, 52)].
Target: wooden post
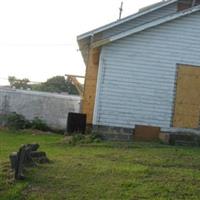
[(90, 84)]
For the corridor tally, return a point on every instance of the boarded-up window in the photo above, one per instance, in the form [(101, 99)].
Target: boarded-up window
[(187, 104)]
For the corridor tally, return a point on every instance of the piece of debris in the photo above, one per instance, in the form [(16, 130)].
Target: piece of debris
[(76, 123), (27, 156)]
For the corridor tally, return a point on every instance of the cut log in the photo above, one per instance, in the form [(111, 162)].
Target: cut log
[(26, 156)]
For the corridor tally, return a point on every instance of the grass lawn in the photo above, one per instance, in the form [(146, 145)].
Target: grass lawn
[(102, 171)]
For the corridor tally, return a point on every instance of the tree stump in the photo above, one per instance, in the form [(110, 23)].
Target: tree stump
[(27, 156)]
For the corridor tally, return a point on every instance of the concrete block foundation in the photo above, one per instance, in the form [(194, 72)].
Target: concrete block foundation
[(174, 136), (113, 133)]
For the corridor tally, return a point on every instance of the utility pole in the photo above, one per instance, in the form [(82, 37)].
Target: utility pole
[(120, 10)]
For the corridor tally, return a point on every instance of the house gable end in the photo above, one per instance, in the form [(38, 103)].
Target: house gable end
[(146, 26), (139, 73)]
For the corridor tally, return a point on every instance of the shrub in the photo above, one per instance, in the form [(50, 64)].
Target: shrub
[(96, 137), (77, 138), (39, 124), (16, 121), (84, 139)]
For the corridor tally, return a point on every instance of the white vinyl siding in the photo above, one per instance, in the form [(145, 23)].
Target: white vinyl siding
[(136, 83)]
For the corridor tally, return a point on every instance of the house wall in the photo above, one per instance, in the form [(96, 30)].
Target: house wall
[(137, 75), (92, 60)]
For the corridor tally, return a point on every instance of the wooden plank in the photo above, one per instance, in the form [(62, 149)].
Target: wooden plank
[(187, 105), (192, 110), (188, 69), (146, 133), (186, 121), (90, 84)]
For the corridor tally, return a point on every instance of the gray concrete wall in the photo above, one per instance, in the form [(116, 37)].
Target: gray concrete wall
[(50, 107)]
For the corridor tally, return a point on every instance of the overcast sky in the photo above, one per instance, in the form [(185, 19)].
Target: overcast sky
[(38, 37)]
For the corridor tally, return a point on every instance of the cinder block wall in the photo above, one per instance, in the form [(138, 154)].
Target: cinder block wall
[(52, 108)]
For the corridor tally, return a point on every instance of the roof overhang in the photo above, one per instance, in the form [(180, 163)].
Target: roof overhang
[(146, 26), (131, 17)]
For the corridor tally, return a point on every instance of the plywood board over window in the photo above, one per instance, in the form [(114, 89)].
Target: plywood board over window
[(187, 102)]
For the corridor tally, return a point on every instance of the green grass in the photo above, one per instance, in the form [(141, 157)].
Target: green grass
[(102, 171)]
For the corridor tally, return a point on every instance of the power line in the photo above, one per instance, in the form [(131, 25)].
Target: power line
[(39, 44)]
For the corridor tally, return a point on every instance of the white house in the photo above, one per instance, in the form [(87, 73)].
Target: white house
[(145, 69)]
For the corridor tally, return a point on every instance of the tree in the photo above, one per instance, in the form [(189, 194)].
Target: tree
[(18, 83), (56, 84)]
